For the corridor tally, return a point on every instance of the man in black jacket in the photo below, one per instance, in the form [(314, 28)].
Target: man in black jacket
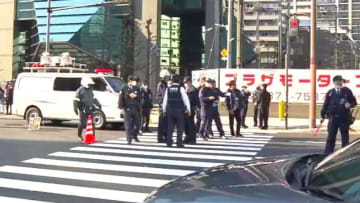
[(207, 99), (85, 104), (234, 104), (256, 96), (198, 107), (175, 105), (162, 125), (215, 115), (337, 105), (246, 95), (264, 107), (130, 105), (190, 127)]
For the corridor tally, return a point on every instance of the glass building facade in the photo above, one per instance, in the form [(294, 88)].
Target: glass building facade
[(93, 35)]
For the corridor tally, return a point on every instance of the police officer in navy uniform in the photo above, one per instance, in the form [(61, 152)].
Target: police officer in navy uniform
[(264, 101), (175, 105), (190, 127), (207, 99), (235, 104), (130, 105), (160, 93), (85, 104), (246, 94), (337, 105), (146, 106), (215, 115)]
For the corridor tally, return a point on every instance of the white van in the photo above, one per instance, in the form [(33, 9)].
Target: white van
[(51, 96)]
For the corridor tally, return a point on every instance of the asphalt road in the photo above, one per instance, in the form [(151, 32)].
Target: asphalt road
[(50, 165)]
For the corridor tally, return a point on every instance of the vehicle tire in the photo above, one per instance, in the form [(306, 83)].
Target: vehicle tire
[(32, 112), (56, 122), (99, 120)]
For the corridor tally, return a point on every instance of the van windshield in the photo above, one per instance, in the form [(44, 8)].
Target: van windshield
[(116, 83)]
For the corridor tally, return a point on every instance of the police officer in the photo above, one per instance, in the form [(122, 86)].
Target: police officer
[(175, 105), (246, 94), (264, 107), (215, 115), (256, 96), (146, 106), (337, 105), (85, 104), (207, 99), (235, 104), (193, 95), (162, 125), (130, 104)]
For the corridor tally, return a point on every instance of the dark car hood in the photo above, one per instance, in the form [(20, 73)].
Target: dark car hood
[(255, 181)]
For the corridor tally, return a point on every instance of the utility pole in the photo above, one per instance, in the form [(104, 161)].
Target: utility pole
[(312, 108), (149, 33), (47, 43), (287, 61), (229, 37), (336, 39), (239, 47), (280, 37)]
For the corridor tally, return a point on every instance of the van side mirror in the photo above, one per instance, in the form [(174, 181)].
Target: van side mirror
[(108, 89)]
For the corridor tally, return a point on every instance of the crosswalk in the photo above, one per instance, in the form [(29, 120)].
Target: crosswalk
[(113, 171)]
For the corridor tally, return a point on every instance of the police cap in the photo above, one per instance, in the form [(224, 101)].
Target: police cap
[(136, 78), (338, 78), (175, 78), (130, 78)]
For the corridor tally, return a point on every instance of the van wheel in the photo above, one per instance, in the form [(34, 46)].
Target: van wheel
[(99, 120), (31, 113)]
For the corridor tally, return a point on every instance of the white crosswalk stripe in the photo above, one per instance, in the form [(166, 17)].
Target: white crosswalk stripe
[(115, 171)]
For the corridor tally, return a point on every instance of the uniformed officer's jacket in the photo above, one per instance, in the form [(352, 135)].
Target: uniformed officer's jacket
[(193, 95), (85, 100), (160, 92), (264, 100), (176, 99), (205, 101), (126, 102), (218, 93), (146, 99), (246, 94), (234, 100), (334, 104)]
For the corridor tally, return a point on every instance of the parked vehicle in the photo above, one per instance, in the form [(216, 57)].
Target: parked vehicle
[(315, 178), (50, 96)]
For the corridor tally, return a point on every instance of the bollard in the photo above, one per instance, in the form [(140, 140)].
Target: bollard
[(281, 109)]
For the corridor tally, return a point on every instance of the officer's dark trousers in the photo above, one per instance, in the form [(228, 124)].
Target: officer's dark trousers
[(205, 125), (132, 123), (236, 116), (83, 118), (256, 114), (336, 123), (264, 117), (198, 119), (190, 130), (243, 115), (219, 126), (145, 119), (162, 128), (175, 117)]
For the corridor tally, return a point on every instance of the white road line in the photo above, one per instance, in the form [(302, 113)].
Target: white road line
[(73, 190), (109, 167), (164, 148), (217, 138), (135, 159), (147, 182), (17, 200), (212, 140), (163, 154), (219, 143), (190, 146)]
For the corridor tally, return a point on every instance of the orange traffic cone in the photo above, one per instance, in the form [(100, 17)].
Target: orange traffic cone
[(89, 136)]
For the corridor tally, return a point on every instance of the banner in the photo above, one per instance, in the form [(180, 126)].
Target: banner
[(299, 82)]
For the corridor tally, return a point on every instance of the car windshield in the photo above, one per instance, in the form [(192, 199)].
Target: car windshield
[(116, 83), (339, 173)]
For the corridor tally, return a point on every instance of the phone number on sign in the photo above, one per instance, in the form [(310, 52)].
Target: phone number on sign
[(297, 96)]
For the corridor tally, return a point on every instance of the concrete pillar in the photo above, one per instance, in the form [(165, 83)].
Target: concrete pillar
[(145, 10), (7, 19)]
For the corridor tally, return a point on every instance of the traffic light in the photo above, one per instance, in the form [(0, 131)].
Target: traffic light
[(294, 27)]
